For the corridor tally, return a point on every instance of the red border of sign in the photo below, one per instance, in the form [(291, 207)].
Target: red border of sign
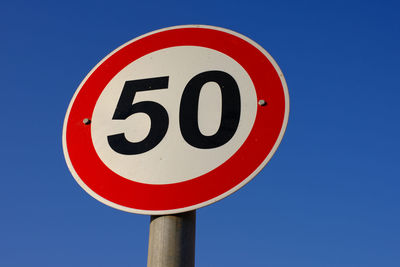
[(114, 190)]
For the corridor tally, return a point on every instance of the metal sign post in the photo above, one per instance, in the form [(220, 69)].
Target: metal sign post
[(172, 121), (172, 240)]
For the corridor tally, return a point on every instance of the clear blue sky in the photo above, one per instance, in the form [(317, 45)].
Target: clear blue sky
[(329, 197)]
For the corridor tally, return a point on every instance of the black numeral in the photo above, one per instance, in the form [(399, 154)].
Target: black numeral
[(157, 113), (188, 114), (230, 116)]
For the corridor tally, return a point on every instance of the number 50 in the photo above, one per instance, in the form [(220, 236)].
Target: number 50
[(188, 113)]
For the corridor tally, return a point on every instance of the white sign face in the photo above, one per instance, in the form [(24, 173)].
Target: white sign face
[(175, 120), (173, 160)]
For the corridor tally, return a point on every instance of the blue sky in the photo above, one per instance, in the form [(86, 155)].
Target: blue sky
[(329, 196)]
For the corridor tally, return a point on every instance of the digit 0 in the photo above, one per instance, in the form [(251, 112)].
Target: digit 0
[(189, 108)]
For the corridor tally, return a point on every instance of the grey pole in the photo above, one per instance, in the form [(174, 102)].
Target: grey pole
[(172, 240)]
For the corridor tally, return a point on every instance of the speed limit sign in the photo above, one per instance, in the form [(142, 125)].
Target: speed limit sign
[(175, 120)]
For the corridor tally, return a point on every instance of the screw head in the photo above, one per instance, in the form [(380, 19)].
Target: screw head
[(86, 121), (262, 102)]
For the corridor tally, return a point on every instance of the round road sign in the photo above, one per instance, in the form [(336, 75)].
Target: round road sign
[(175, 120)]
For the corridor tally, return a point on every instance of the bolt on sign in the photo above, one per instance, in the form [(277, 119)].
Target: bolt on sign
[(175, 120)]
